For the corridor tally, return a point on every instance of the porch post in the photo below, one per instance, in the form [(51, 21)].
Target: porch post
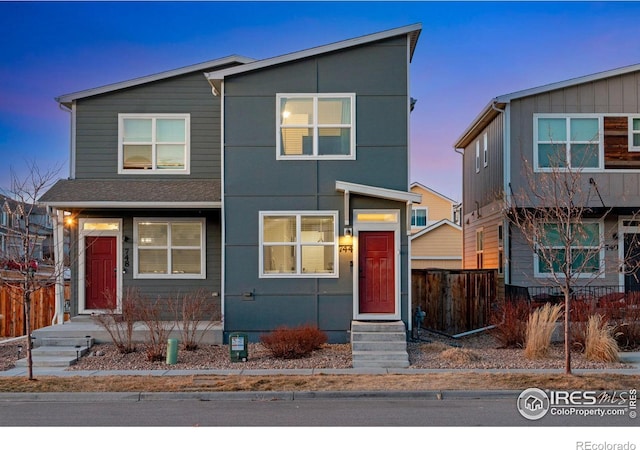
[(58, 248)]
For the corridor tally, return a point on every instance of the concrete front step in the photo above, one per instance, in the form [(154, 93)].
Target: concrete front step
[(70, 351), (373, 336), (82, 341), (379, 345), (48, 361)]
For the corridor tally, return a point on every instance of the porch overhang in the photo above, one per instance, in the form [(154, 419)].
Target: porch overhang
[(134, 194), (373, 191)]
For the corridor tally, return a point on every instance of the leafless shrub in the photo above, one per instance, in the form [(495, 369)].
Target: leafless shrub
[(158, 329), (194, 314), (120, 325), (459, 355)]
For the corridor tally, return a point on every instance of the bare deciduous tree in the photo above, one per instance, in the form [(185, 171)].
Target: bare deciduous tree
[(552, 213), (23, 243)]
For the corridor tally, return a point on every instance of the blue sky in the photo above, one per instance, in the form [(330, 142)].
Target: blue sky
[(468, 53)]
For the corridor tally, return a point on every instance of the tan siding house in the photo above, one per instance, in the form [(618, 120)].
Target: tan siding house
[(436, 240)]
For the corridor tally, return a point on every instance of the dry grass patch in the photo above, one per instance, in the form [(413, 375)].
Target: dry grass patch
[(434, 347), (236, 383), (459, 355)]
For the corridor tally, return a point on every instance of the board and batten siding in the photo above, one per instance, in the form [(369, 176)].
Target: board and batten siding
[(485, 186), (97, 125), (613, 96)]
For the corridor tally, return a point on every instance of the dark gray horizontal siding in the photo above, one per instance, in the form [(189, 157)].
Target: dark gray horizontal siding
[(97, 124)]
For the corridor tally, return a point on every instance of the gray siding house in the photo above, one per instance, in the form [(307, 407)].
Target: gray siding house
[(593, 122), (279, 185)]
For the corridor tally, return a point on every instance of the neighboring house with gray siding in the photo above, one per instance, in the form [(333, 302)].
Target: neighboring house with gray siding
[(279, 185), (595, 121)]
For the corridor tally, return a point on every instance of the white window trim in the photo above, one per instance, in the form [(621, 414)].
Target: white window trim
[(426, 216), (480, 252), (169, 220), (298, 244), (633, 148), (485, 153), (567, 118), (315, 97), (601, 270), (187, 151), (478, 156)]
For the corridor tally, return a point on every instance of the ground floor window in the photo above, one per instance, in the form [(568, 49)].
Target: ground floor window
[(575, 249), (173, 248), (298, 244)]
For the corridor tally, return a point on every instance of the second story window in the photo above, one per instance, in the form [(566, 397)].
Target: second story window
[(153, 143), (419, 217), (567, 142), (634, 134), (315, 126)]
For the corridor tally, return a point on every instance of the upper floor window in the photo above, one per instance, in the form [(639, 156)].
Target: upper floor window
[(316, 126), (299, 244), (4, 218), (563, 142), (419, 217), (477, 156), (634, 134), (485, 151), (153, 143)]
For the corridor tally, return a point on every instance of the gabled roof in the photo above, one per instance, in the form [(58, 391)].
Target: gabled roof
[(67, 99), (493, 107), (444, 197), (434, 226), (412, 30)]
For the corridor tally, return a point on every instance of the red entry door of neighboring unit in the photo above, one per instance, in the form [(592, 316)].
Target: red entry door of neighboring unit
[(377, 272), (100, 273)]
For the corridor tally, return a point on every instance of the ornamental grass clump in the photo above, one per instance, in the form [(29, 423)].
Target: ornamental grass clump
[(600, 344), (540, 327)]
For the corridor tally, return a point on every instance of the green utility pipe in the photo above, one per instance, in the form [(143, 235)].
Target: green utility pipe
[(172, 351)]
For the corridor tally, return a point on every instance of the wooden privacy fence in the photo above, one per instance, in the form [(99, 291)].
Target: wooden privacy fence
[(454, 301), (12, 322)]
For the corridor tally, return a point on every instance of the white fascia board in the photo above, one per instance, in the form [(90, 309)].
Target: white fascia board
[(502, 100), (568, 83), (434, 226), (409, 29), (69, 98), (442, 196), (138, 205), (373, 191)]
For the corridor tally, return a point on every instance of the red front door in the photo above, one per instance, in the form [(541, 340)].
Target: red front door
[(100, 273), (377, 272)]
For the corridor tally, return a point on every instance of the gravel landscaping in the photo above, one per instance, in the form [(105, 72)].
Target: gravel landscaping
[(433, 351)]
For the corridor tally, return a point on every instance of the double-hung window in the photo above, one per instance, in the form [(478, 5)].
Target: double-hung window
[(169, 248), (153, 143), (298, 244), (567, 142), (315, 126), (574, 250)]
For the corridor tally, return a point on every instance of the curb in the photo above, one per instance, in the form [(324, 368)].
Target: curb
[(250, 395)]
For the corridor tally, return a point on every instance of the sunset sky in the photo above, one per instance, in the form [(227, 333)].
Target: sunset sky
[(468, 53)]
